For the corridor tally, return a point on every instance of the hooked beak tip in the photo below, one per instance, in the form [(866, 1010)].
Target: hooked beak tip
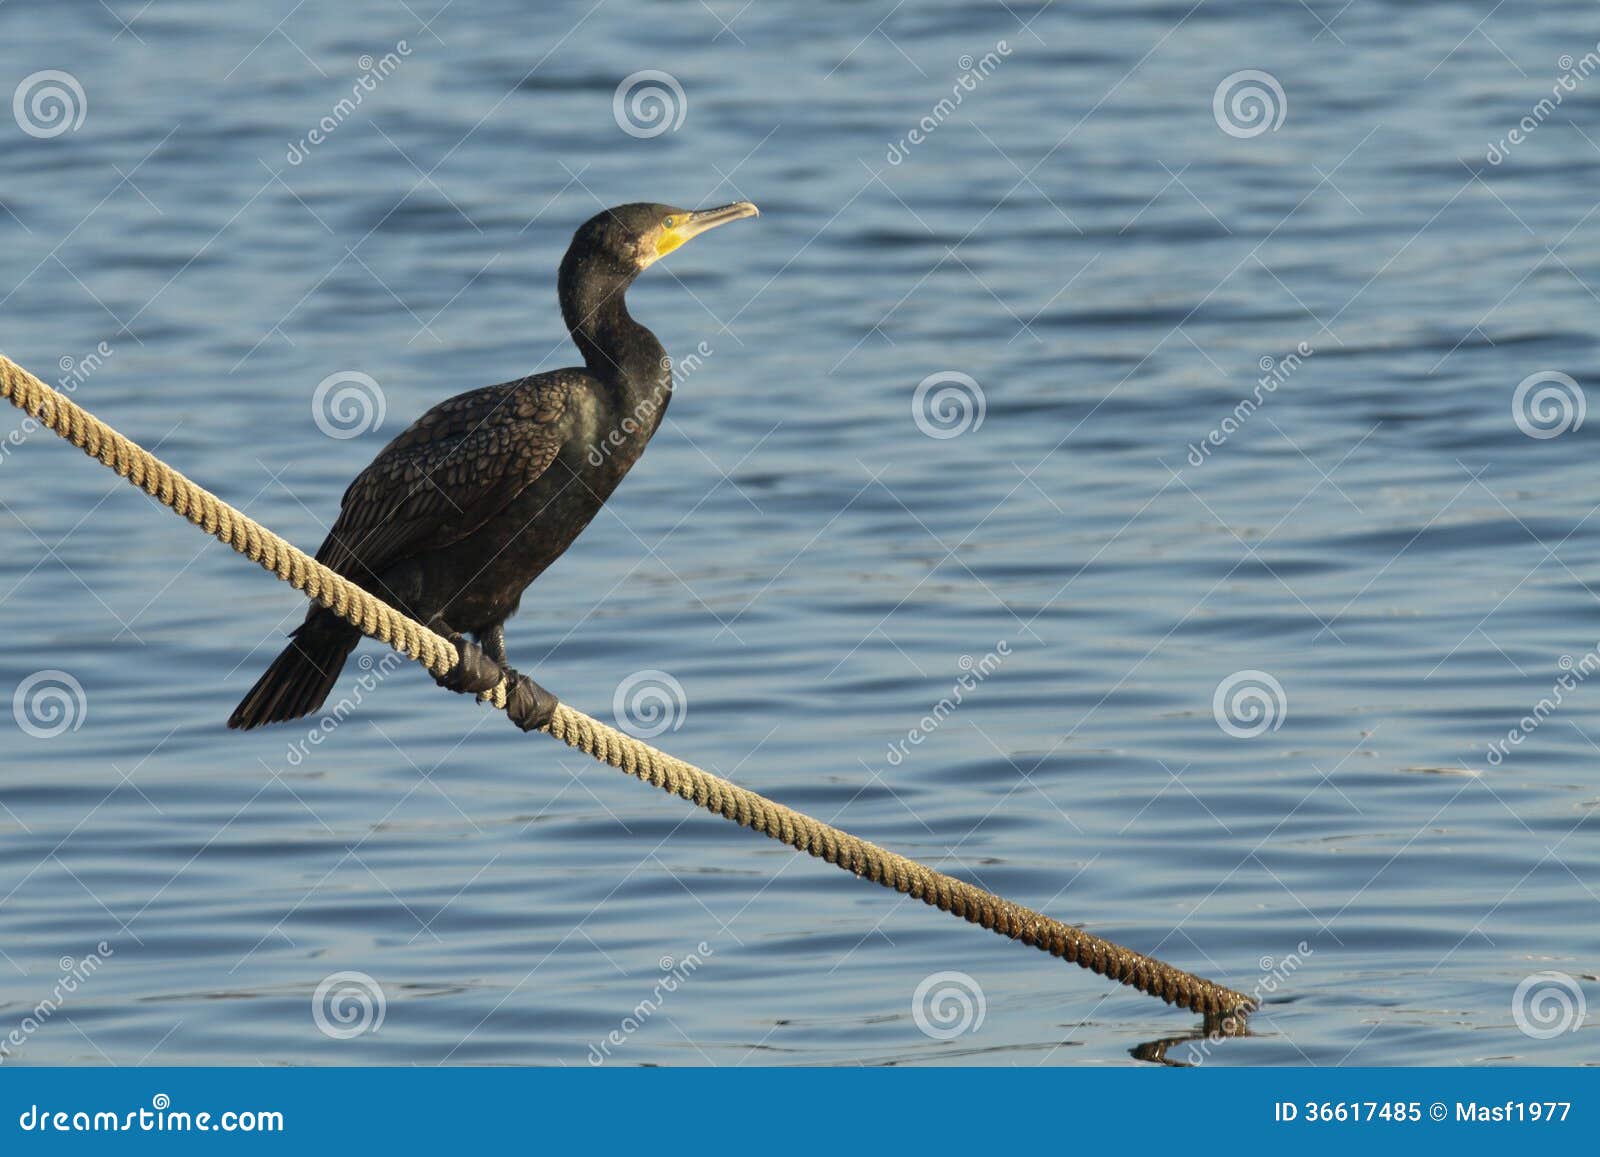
[(704, 219), (700, 221)]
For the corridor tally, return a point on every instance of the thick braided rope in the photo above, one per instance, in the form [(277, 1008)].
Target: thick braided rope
[(373, 616), (750, 809)]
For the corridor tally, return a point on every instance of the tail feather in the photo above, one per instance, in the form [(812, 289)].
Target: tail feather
[(299, 680)]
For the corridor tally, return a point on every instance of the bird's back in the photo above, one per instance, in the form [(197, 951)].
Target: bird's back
[(450, 471)]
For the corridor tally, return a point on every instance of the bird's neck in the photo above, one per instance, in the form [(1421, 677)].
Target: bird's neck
[(615, 348)]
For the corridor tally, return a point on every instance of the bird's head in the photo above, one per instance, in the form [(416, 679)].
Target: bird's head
[(631, 238)]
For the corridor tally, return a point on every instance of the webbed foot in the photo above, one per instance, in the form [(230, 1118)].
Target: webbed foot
[(529, 705), (474, 672)]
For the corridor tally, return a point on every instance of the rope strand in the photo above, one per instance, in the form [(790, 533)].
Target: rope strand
[(380, 621)]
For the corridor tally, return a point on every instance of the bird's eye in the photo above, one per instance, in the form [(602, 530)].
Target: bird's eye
[(670, 222)]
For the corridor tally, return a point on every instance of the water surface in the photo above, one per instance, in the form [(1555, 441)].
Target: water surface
[(1111, 270)]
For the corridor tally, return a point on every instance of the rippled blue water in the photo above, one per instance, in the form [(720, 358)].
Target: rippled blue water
[(1396, 566)]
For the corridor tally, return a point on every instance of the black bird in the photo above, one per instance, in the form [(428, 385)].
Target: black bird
[(456, 516)]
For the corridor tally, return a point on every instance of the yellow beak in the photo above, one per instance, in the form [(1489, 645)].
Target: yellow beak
[(687, 226)]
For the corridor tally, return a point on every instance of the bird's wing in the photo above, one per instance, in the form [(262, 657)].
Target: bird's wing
[(447, 473)]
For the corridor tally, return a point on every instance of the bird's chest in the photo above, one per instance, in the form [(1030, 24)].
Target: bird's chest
[(515, 546)]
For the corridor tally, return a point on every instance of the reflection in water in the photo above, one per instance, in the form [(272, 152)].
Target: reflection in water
[(1214, 1028)]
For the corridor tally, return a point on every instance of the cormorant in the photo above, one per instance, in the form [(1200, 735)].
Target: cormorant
[(456, 516)]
